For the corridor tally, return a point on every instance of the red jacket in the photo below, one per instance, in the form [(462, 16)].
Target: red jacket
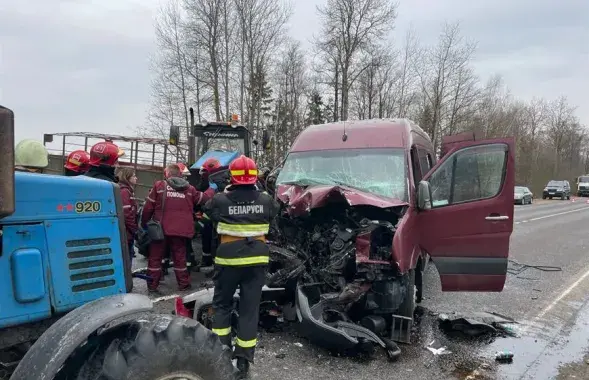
[(130, 210), (179, 206)]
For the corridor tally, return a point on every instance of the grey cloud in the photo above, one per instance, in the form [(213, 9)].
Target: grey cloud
[(80, 66)]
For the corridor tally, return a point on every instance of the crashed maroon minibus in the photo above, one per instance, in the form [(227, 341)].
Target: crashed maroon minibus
[(366, 205)]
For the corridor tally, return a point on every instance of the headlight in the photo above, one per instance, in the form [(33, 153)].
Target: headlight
[(545, 189)]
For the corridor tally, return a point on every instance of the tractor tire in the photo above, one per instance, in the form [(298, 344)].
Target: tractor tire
[(407, 308), (162, 347)]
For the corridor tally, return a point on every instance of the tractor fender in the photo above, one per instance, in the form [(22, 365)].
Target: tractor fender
[(50, 352)]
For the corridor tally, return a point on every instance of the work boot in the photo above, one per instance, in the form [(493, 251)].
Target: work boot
[(243, 366)]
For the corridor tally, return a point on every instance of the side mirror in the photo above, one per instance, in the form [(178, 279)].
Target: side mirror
[(266, 140), (271, 180), (174, 135), (424, 196)]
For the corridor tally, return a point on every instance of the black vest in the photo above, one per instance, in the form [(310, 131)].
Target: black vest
[(243, 213)]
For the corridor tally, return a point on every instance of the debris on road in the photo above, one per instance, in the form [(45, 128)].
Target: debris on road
[(516, 268), (477, 324), (504, 356), (435, 348)]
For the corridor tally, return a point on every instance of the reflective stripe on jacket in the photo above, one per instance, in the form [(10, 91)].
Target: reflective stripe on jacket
[(242, 217)]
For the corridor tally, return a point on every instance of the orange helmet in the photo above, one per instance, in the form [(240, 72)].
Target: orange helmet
[(183, 168), (243, 171), (211, 165), (78, 161), (104, 153)]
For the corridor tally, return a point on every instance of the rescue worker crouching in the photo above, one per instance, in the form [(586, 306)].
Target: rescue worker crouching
[(242, 216), (30, 156), (172, 203), (77, 163), (103, 158)]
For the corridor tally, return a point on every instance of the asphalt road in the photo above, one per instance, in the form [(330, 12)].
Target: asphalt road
[(552, 309)]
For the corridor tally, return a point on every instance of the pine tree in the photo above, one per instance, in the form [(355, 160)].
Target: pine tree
[(328, 111), (316, 109)]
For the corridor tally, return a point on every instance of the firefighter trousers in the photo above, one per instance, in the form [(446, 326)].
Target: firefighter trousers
[(250, 281), (157, 249)]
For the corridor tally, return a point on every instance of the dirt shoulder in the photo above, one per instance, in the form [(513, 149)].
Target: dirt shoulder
[(577, 370)]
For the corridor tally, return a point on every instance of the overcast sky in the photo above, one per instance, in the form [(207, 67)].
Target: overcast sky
[(77, 65)]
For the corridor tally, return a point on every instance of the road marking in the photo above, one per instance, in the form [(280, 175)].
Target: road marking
[(165, 298), (551, 215), (555, 302)]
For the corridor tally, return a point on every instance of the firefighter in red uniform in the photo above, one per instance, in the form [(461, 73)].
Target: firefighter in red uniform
[(77, 163), (183, 169), (172, 202), (103, 158), (242, 216), (210, 166)]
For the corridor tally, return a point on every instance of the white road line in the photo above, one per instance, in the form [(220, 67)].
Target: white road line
[(165, 298), (551, 215), (555, 302)]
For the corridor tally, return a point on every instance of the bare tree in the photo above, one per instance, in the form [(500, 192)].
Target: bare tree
[(262, 25), (352, 26), (439, 71), (170, 42), (205, 19), (561, 121)]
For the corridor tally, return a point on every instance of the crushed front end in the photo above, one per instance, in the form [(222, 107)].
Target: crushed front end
[(332, 249)]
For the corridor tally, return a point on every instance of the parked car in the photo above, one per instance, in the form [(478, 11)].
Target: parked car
[(557, 189), (522, 195)]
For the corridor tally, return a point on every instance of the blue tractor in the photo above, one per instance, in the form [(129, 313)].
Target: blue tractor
[(66, 311)]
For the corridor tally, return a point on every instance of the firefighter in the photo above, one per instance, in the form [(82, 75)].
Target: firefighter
[(210, 166), (172, 202), (103, 158), (262, 176), (183, 169), (30, 156), (77, 163), (127, 180), (242, 216)]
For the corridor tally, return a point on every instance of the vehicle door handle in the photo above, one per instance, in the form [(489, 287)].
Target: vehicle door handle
[(497, 217)]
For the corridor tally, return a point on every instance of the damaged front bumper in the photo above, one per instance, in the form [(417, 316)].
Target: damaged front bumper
[(339, 336)]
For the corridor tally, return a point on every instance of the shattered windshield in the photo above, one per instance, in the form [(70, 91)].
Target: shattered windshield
[(378, 171)]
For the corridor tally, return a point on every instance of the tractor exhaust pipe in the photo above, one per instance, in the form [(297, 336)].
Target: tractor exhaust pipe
[(7, 163)]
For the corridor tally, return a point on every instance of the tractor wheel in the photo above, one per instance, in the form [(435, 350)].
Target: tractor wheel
[(162, 347)]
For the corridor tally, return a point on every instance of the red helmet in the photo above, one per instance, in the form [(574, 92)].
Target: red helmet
[(78, 161), (243, 171), (211, 165), (183, 168), (104, 153)]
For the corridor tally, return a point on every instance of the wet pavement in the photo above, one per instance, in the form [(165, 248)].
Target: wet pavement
[(552, 308)]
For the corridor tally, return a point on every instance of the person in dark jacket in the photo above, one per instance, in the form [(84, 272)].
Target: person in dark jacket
[(172, 202), (103, 158), (127, 181), (242, 216)]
